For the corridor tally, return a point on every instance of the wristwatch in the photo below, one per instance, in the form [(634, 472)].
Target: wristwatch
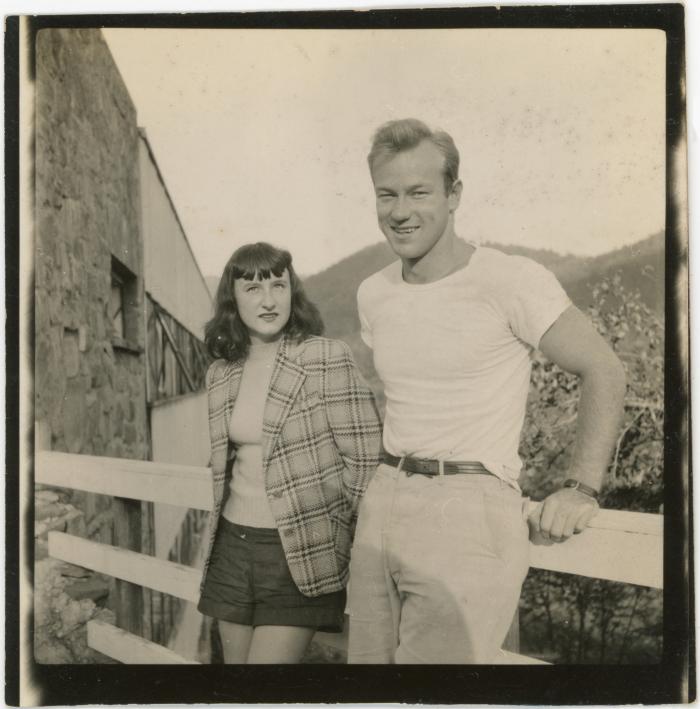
[(581, 487)]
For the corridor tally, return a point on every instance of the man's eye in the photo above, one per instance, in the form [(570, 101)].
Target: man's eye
[(384, 197), (419, 193)]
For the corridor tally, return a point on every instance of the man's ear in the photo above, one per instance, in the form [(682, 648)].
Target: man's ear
[(455, 195)]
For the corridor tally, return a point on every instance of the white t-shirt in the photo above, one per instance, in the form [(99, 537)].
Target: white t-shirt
[(455, 355)]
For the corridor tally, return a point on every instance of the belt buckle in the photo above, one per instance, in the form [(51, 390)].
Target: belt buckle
[(425, 472)]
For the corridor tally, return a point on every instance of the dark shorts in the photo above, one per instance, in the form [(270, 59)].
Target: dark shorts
[(248, 582)]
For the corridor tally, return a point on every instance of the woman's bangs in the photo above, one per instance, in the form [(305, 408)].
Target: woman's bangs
[(260, 264)]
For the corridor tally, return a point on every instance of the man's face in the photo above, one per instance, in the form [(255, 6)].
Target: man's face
[(412, 208)]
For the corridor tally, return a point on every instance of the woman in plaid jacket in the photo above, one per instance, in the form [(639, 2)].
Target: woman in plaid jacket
[(295, 437)]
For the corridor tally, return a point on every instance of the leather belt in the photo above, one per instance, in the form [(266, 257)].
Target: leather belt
[(424, 466)]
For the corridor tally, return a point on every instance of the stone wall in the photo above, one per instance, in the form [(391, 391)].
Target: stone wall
[(89, 391), (89, 383)]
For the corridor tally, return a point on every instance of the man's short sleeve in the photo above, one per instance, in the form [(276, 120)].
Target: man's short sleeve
[(536, 303)]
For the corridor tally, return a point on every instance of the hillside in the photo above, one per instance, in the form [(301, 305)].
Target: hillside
[(641, 266)]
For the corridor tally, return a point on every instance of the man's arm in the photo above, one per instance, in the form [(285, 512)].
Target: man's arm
[(573, 344)]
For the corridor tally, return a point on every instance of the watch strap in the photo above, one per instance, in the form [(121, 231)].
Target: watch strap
[(582, 487)]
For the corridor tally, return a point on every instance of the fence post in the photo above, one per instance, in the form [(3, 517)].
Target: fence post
[(147, 547), (127, 535)]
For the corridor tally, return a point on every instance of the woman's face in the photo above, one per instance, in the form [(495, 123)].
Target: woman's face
[(264, 305)]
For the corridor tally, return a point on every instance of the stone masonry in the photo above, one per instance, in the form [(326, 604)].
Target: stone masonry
[(89, 385), (90, 392)]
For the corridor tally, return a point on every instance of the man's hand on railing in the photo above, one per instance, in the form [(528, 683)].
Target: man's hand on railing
[(559, 516)]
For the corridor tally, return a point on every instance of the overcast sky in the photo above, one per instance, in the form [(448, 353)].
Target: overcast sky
[(262, 134)]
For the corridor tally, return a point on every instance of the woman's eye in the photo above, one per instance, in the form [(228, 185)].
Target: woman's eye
[(280, 286)]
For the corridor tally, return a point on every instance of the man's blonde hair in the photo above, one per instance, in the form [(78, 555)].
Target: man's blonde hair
[(404, 134)]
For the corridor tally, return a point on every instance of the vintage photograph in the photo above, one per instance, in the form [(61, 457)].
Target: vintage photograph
[(350, 344)]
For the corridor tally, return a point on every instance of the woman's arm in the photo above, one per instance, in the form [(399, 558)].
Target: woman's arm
[(217, 391), (354, 421)]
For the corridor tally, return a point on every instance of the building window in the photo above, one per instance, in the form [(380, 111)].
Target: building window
[(124, 310), (116, 306)]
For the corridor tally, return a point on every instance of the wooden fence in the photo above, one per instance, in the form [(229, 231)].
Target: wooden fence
[(619, 546)]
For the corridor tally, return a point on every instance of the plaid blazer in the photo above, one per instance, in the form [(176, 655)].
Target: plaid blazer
[(321, 441)]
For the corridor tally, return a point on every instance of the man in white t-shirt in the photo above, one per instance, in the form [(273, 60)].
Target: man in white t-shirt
[(441, 548)]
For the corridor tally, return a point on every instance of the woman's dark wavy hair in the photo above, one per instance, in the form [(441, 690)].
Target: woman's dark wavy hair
[(225, 334)]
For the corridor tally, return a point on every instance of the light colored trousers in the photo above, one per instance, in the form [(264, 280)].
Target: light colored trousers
[(436, 569)]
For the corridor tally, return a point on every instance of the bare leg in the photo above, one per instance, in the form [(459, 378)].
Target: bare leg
[(279, 644), (235, 640)]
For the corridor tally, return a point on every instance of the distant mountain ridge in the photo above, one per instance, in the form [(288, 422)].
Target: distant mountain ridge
[(334, 290), (641, 266)]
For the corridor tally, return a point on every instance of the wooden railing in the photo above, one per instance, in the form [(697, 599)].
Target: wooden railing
[(618, 546)]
